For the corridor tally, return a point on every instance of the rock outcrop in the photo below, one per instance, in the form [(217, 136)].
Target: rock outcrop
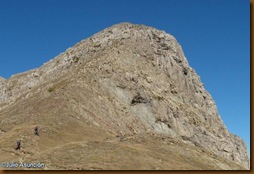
[(131, 79)]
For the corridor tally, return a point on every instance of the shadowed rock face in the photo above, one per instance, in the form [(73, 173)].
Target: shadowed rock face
[(125, 80)]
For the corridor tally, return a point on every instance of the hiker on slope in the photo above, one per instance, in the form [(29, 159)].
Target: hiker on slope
[(36, 131), (18, 145)]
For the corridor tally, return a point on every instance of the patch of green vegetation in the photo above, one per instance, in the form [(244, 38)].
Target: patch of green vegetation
[(139, 26), (75, 59), (159, 97), (96, 45), (51, 89), (58, 85)]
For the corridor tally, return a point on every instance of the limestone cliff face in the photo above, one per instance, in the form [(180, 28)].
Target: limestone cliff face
[(131, 79)]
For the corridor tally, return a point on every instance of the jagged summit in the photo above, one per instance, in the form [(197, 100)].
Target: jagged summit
[(129, 87), (128, 25), (125, 25)]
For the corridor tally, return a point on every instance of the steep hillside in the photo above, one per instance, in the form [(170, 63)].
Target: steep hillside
[(125, 98)]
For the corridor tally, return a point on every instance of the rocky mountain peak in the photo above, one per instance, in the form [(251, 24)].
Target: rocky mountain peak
[(128, 79)]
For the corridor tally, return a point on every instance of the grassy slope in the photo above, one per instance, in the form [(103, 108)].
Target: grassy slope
[(70, 142)]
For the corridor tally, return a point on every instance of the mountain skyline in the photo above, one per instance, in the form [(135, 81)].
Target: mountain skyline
[(126, 90), (215, 40)]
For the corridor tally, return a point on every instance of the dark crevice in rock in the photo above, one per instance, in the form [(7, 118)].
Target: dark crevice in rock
[(2, 131), (185, 71), (138, 99)]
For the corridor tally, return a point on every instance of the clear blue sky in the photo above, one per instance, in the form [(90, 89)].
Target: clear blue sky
[(214, 34)]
